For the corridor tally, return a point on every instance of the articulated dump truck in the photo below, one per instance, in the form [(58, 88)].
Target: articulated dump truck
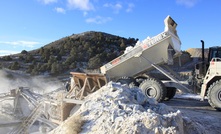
[(131, 67)]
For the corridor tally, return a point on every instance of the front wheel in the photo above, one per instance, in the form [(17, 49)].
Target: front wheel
[(153, 88), (214, 95)]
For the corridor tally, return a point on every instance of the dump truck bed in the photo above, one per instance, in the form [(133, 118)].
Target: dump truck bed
[(159, 49)]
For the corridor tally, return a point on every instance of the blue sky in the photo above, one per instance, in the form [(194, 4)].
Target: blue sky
[(31, 24)]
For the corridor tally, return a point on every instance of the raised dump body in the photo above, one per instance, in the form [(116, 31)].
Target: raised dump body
[(159, 49)]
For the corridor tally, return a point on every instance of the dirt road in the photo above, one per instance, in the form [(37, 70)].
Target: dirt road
[(199, 111)]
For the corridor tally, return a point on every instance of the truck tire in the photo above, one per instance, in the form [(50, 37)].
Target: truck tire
[(171, 91), (153, 88), (139, 80), (214, 95)]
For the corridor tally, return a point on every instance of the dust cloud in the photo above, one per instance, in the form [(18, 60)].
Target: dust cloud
[(39, 84)]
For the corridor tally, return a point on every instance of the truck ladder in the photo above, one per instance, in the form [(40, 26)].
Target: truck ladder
[(169, 75), (23, 127), (172, 72)]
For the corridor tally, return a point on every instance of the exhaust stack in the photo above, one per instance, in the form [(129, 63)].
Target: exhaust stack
[(203, 58)]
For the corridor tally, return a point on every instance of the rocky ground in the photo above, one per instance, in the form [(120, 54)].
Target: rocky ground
[(199, 111)]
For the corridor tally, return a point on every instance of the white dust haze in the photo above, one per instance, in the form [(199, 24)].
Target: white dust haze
[(11, 80)]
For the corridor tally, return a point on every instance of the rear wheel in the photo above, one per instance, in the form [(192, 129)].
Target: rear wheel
[(153, 88), (171, 91), (214, 95)]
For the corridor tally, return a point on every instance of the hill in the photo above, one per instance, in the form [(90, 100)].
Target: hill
[(88, 50), (197, 52), (80, 52)]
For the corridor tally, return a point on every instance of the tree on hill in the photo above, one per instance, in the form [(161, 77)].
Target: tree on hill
[(51, 60), (74, 52), (30, 67), (73, 65), (43, 67), (41, 51), (70, 60), (7, 58), (29, 58), (46, 55), (94, 62), (61, 51), (59, 57), (56, 68), (24, 52), (21, 58), (34, 71), (15, 66)]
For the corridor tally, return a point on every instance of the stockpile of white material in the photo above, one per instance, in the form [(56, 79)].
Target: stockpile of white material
[(118, 109), (146, 41)]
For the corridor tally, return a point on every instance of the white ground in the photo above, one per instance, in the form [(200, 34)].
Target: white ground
[(4, 118), (118, 109)]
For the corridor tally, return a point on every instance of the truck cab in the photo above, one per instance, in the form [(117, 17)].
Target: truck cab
[(214, 52), (211, 77)]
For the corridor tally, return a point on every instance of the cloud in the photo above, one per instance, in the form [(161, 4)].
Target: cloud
[(85, 13), (130, 7), (116, 7), (7, 52), (48, 1), (98, 20), (187, 3), (30, 44), (60, 10), (84, 5)]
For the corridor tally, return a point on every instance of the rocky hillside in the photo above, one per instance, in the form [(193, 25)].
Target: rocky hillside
[(88, 50)]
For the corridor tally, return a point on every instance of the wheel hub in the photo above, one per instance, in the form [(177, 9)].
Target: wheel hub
[(219, 95), (151, 91)]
